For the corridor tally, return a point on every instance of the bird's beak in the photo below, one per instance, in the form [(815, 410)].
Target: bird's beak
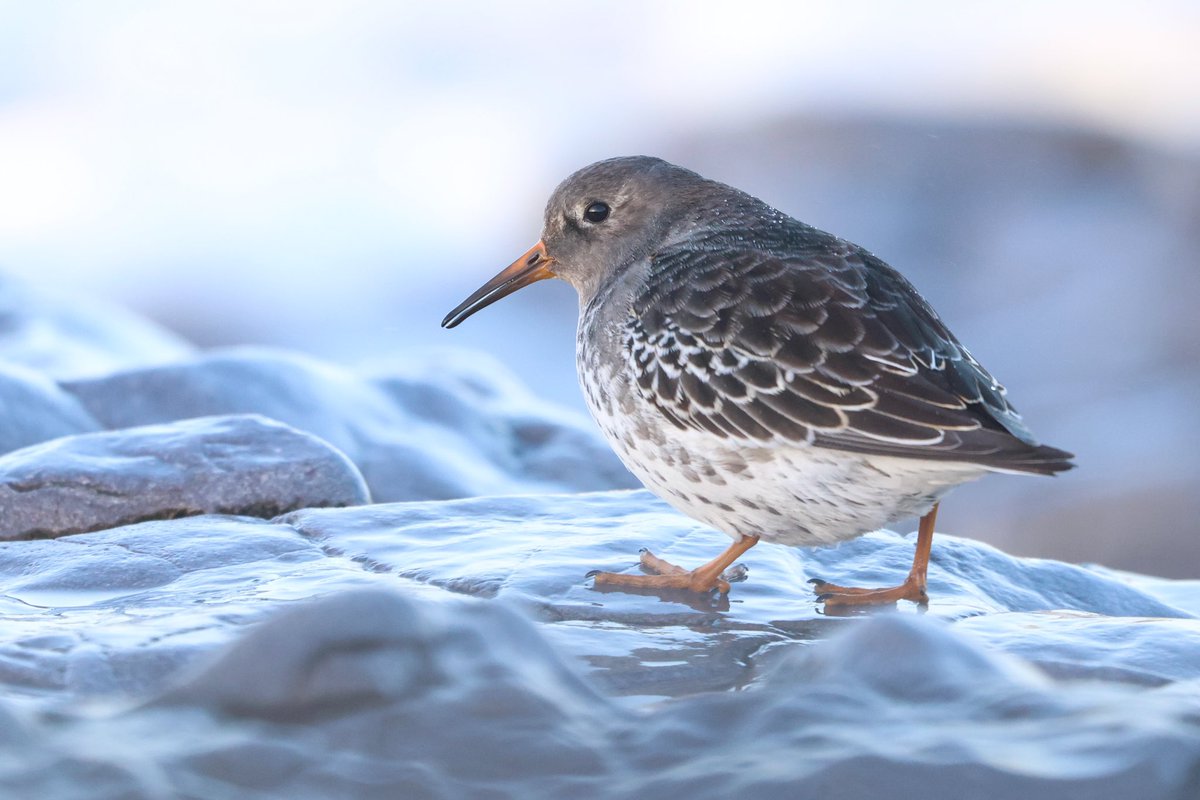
[(529, 268)]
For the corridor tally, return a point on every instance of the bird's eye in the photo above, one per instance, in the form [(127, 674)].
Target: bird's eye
[(596, 212)]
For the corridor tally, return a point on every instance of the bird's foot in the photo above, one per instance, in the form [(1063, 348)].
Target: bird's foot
[(665, 575), (834, 596)]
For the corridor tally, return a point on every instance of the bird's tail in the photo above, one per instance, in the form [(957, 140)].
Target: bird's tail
[(1039, 459)]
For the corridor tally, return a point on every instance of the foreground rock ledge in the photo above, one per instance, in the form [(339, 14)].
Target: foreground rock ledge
[(333, 653), (245, 464), (377, 693)]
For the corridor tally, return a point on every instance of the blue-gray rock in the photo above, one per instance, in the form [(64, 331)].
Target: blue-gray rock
[(245, 465), (381, 693), (103, 611), (33, 409), (416, 434), (409, 674)]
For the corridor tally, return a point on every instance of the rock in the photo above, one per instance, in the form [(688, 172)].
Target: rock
[(384, 693), (375, 647), (1148, 651), (103, 611), (73, 337), (536, 550), (33, 409), (121, 610), (454, 650), (906, 706), (468, 392), (456, 434), (228, 465)]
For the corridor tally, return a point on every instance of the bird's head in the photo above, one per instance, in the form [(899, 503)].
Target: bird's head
[(599, 220)]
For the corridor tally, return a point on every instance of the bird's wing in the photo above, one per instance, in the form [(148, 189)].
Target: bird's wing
[(825, 344)]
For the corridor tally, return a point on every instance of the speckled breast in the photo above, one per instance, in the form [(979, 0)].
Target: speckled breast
[(786, 493)]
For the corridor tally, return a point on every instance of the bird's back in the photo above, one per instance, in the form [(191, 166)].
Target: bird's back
[(779, 332)]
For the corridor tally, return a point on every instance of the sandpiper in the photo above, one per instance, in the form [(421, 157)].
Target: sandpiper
[(760, 375)]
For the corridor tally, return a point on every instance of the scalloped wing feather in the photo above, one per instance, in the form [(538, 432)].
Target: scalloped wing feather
[(826, 345)]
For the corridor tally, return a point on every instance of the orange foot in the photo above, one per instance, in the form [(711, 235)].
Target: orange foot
[(665, 575), (844, 598), (832, 595)]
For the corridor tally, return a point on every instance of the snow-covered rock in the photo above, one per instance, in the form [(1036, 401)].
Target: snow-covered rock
[(416, 431), (223, 465)]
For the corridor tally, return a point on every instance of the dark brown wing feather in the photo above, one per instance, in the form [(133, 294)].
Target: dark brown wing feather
[(815, 340)]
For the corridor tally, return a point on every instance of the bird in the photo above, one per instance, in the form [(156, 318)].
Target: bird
[(762, 376)]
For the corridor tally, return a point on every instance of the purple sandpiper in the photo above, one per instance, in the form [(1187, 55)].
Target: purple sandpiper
[(760, 375)]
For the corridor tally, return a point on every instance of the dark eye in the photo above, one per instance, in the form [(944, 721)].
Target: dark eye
[(596, 212)]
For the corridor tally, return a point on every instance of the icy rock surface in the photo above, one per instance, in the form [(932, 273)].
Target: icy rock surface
[(71, 337), (231, 465), (414, 431), (455, 650)]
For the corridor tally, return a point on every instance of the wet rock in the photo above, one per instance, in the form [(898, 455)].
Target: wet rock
[(101, 611), (537, 549), (364, 648), (74, 337), (33, 409), (907, 706), (455, 650), (1149, 651), (386, 693), (229, 465), (414, 434), (120, 610)]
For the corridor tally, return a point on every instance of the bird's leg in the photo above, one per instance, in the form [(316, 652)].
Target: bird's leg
[(668, 576), (912, 589)]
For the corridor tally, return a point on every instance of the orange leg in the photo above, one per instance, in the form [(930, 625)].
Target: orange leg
[(668, 576), (912, 589)]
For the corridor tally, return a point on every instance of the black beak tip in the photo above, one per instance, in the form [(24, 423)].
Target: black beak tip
[(458, 314), (453, 320)]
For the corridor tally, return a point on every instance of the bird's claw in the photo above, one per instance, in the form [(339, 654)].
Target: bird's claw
[(736, 574)]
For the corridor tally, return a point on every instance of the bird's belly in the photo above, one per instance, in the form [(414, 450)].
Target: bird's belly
[(785, 493)]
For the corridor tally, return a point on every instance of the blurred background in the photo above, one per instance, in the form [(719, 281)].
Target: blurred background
[(334, 176)]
